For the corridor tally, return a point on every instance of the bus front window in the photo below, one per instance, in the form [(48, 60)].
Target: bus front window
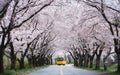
[(60, 59)]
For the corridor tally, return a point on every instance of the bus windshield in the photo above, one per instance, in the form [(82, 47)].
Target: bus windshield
[(60, 59)]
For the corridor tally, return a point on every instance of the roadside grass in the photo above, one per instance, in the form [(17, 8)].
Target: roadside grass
[(110, 70), (28, 68), (114, 73), (22, 71)]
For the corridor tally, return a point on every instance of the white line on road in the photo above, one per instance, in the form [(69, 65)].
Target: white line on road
[(61, 71)]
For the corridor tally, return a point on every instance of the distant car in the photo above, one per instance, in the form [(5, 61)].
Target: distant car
[(60, 61)]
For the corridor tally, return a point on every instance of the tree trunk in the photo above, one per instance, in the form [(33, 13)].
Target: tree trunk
[(1, 61), (105, 67), (2, 48), (81, 62), (104, 63), (117, 51), (98, 56), (12, 56), (91, 57), (118, 67), (51, 61), (86, 61), (39, 62), (13, 63), (33, 60), (75, 62), (22, 63), (97, 66), (91, 62), (29, 58)]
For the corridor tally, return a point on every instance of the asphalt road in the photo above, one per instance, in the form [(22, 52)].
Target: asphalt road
[(64, 70)]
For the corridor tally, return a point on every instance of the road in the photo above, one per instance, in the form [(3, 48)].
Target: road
[(64, 70)]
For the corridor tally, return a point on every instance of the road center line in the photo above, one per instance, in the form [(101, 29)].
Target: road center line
[(61, 71)]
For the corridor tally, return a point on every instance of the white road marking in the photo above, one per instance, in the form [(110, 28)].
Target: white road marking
[(61, 71)]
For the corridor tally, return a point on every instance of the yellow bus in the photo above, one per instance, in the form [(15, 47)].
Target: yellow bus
[(60, 61)]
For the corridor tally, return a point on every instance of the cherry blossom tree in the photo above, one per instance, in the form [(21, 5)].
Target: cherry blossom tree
[(112, 21), (107, 15), (14, 13)]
